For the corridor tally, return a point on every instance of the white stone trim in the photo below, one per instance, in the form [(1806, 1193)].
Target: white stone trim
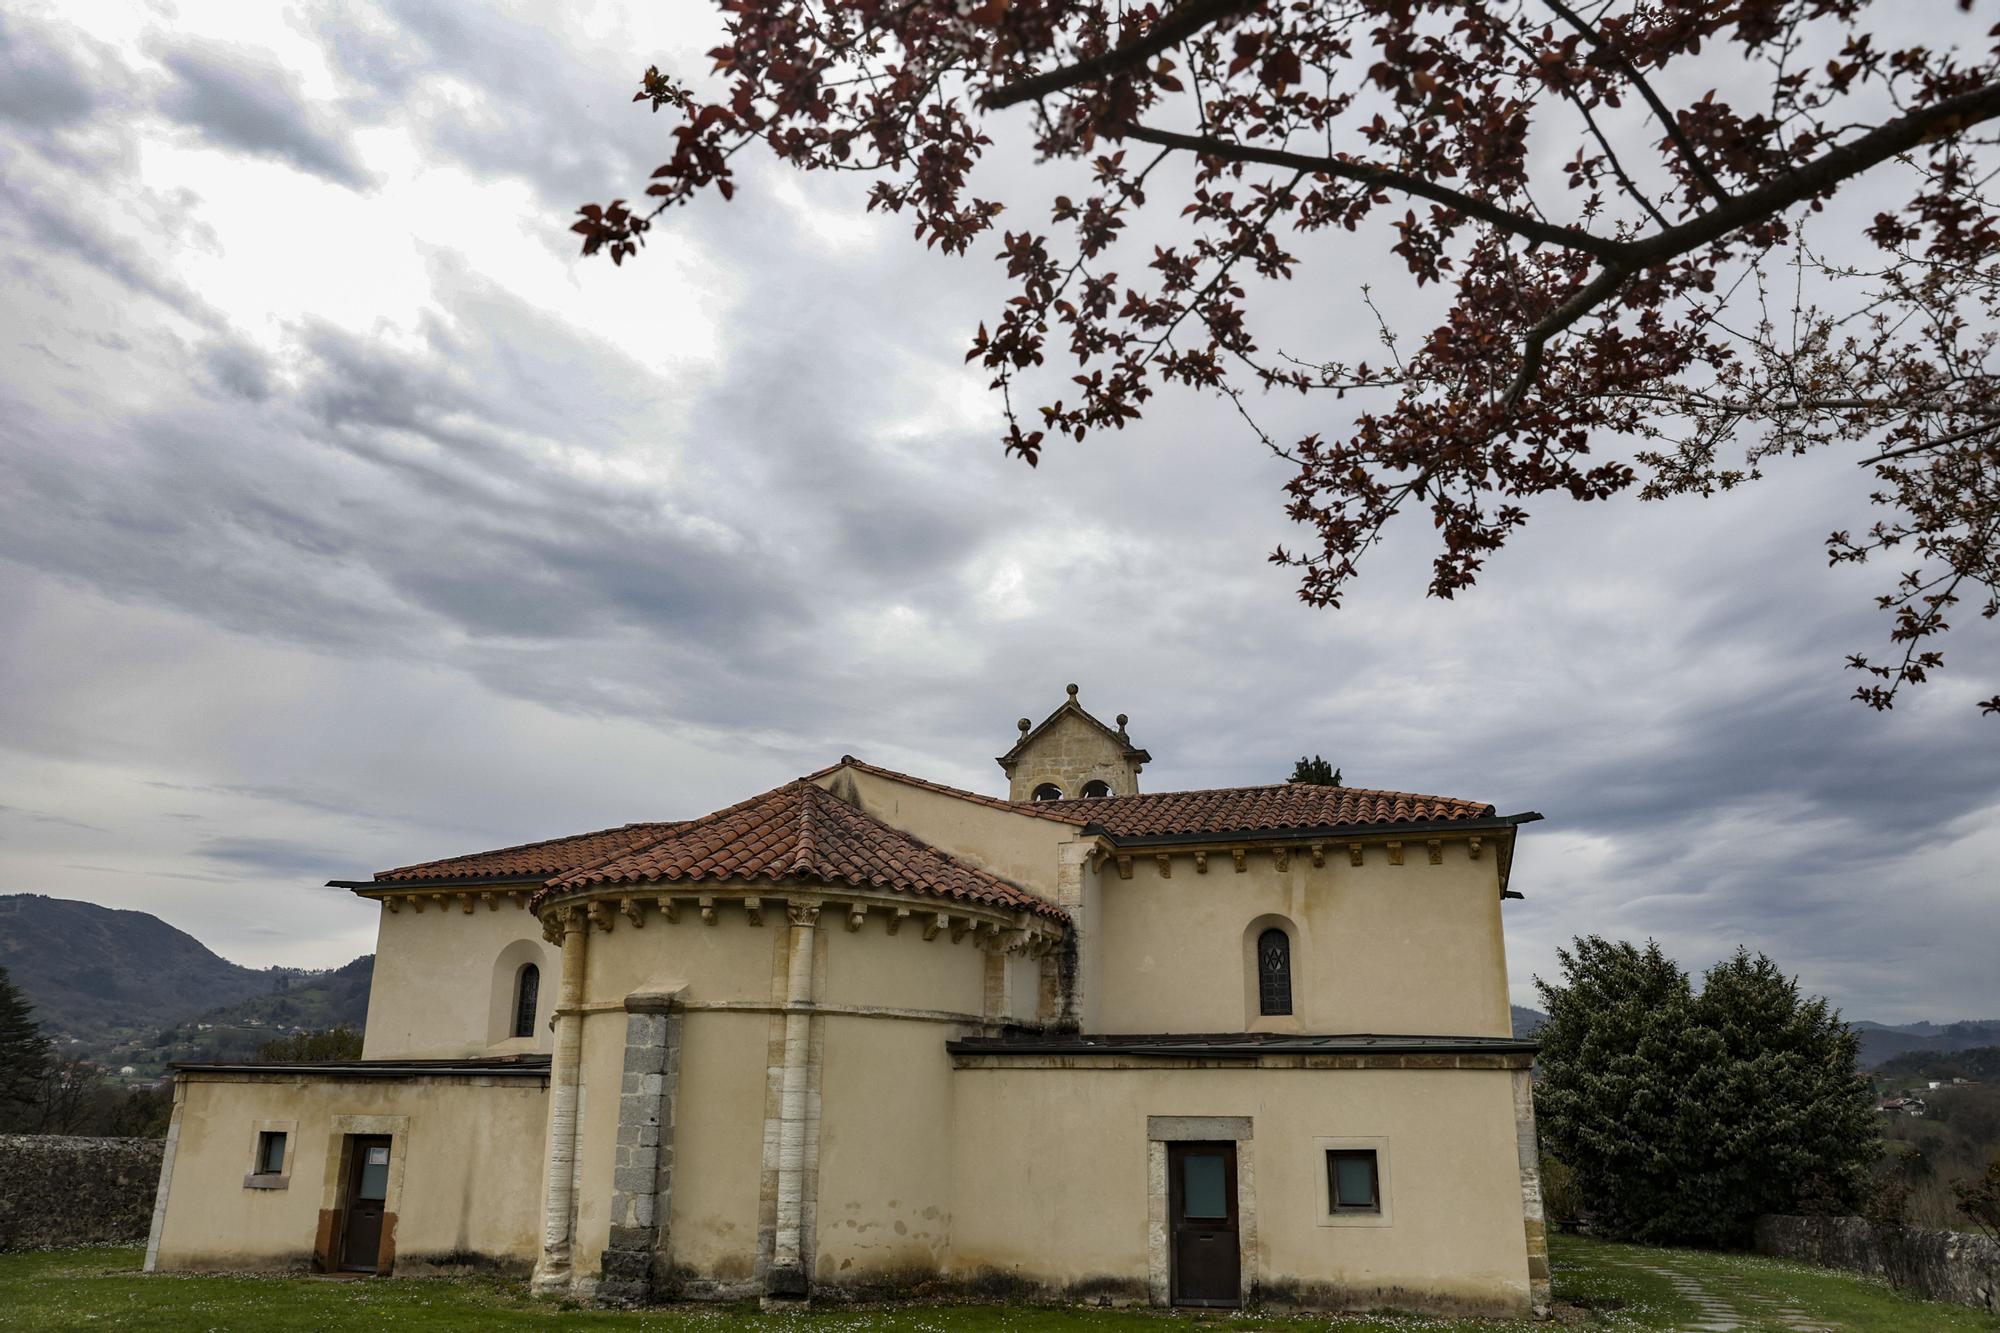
[(1384, 1190), (166, 1179)]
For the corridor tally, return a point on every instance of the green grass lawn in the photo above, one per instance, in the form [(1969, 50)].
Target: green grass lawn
[(1618, 1287)]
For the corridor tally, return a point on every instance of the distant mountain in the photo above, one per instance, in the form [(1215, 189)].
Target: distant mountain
[(106, 983), (1527, 1022), (1881, 1042), (1978, 1063)]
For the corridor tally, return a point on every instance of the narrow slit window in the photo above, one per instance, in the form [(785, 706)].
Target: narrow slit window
[(1353, 1185), (1274, 972), (271, 1153), (527, 991)]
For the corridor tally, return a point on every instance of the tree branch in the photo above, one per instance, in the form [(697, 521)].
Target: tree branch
[(1182, 22), (1667, 119), (1367, 173)]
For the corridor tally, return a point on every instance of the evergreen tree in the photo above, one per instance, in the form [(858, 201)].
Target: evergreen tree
[(1315, 772), (1685, 1115), (24, 1051)]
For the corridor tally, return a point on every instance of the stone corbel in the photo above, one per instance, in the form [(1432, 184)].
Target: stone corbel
[(1166, 864), (465, 903), (755, 907), (1124, 867), (857, 914), (439, 899), (1395, 853), (897, 918), (491, 899), (1236, 854), (392, 902), (707, 910), (959, 925), (1436, 849), (1472, 845), (1318, 854), (670, 908), (417, 901), (936, 924), (1282, 856), (1354, 853), (1201, 863), (633, 910), (599, 915)]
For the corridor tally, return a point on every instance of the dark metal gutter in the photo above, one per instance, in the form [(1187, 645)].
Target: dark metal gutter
[(440, 885), (1241, 1046), (529, 1066)]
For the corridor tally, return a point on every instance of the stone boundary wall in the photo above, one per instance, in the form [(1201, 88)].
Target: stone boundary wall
[(58, 1190), (1937, 1265)]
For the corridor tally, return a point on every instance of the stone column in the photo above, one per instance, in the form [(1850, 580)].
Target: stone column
[(1528, 1150), (635, 1260), (552, 1272), (787, 1277)]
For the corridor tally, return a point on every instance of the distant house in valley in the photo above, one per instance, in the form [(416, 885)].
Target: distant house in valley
[(866, 1031)]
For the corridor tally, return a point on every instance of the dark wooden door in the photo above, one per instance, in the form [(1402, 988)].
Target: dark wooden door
[(367, 1191), (1201, 1212)]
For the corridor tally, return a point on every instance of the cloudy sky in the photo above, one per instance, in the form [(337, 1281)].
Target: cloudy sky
[(347, 518)]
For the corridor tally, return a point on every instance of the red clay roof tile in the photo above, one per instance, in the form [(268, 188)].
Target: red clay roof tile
[(1260, 810), (532, 860), (801, 832)]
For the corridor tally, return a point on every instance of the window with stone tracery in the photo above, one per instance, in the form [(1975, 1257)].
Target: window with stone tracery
[(1274, 972)]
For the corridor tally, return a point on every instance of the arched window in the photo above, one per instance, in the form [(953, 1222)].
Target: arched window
[(1096, 787), (1048, 791), (1274, 972), (527, 990)]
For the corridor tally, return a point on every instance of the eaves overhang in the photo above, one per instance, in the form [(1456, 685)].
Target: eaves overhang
[(1327, 832), (439, 885)]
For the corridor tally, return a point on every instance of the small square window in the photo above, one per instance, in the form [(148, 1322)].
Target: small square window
[(1352, 1183), (271, 1153)]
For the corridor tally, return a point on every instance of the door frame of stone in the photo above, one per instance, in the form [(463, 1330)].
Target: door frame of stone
[(1164, 1129)]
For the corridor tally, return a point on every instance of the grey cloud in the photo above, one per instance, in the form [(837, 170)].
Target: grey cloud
[(41, 86), (242, 100), (239, 369), (279, 857)]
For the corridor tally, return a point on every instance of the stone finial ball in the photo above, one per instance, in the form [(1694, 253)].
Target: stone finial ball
[(1072, 691), (1122, 720), (1024, 724)]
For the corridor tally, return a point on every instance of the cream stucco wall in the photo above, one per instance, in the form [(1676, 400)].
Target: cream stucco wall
[(444, 981), (1026, 1140), (463, 1155), (1018, 847), (1409, 949), (884, 1203)]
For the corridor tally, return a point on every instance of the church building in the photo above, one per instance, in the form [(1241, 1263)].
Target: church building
[(866, 1035)]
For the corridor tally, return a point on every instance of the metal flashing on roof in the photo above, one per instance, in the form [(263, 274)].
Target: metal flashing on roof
[(1238, 1045), (516, 1066)]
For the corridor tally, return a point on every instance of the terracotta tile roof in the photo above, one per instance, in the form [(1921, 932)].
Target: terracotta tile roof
[(1259, 810), (800, 832), (533, 860), (1284, 805)]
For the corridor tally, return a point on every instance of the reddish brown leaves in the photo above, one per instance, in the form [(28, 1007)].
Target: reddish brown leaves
[(1608, 311)]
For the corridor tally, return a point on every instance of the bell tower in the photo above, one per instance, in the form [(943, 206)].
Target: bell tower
[(1071, 756)]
